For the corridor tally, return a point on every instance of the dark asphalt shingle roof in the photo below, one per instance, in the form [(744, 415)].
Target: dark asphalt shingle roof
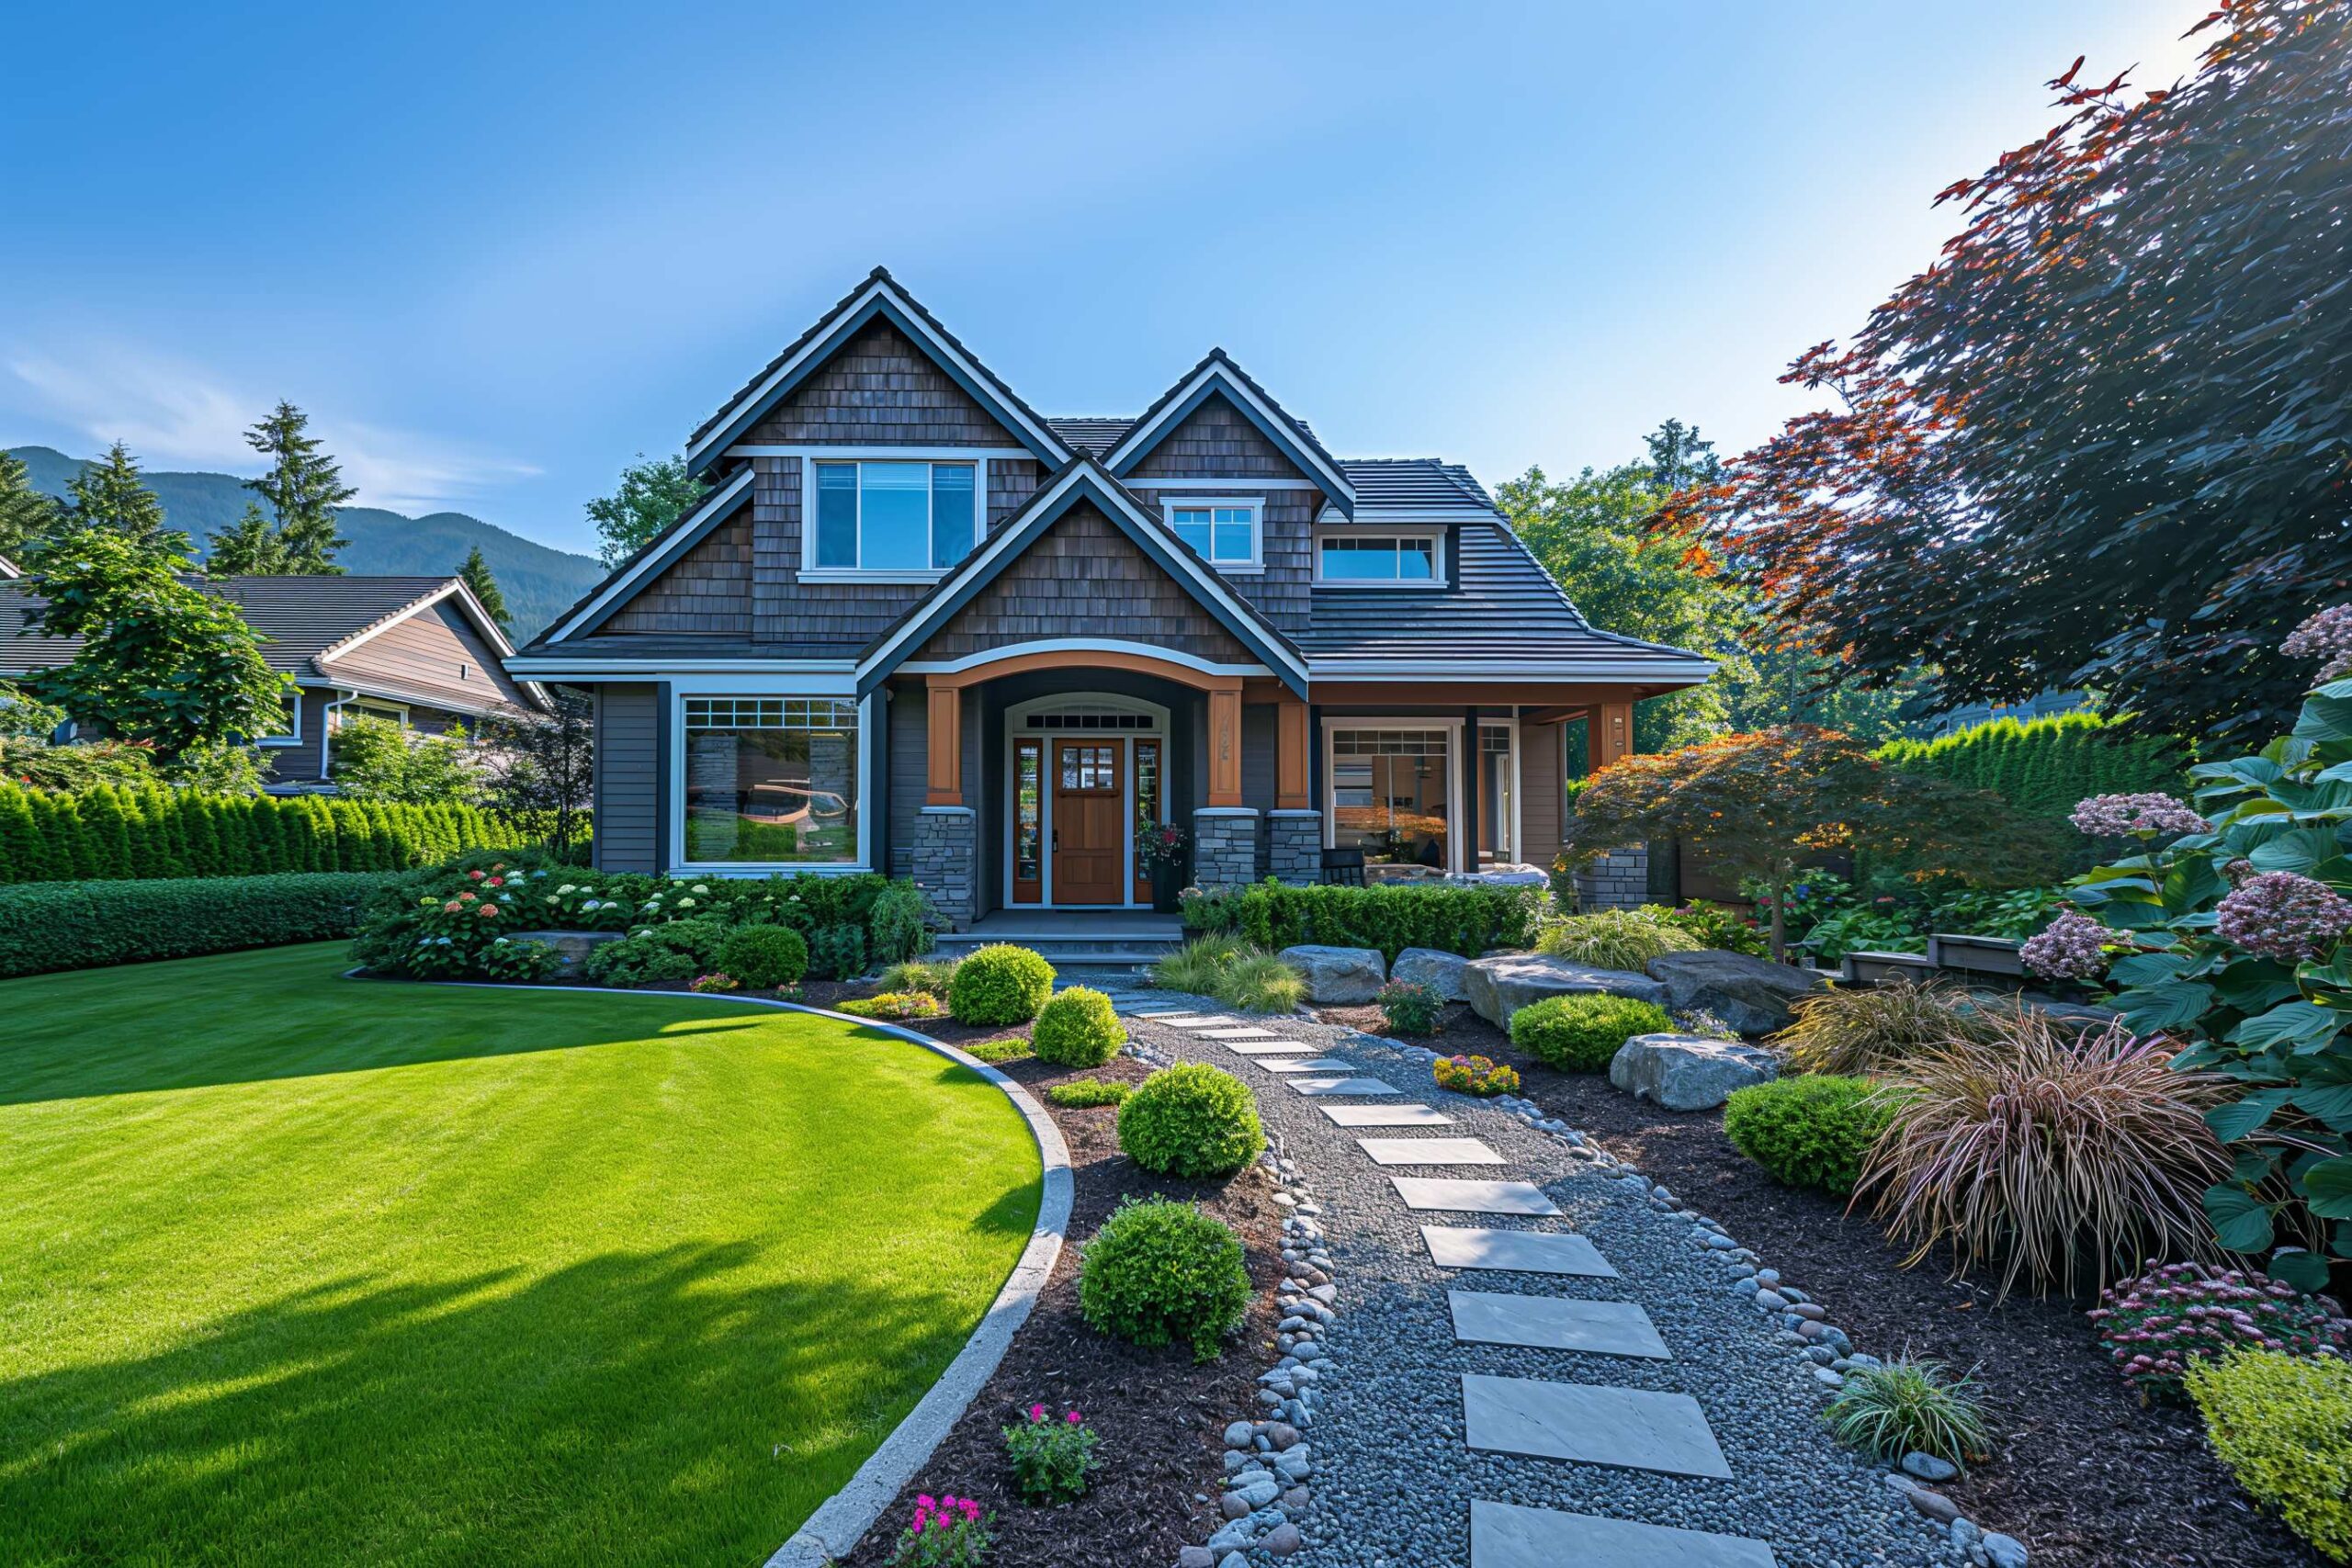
[(302, 616), (1090, 434), (1414, 481)]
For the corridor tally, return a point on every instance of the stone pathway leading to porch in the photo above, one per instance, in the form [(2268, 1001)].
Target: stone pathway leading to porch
[(1532, 1365)]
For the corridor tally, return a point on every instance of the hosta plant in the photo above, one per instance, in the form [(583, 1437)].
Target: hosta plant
[(2155, 1325)]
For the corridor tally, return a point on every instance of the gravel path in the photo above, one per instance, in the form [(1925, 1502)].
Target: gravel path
[(1394, 1481)]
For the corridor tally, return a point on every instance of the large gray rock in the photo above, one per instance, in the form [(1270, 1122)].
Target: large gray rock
[(1752, 994), (571, 948), (1338, 976), (1498, 987), (1688, 1072), (1440, 971)]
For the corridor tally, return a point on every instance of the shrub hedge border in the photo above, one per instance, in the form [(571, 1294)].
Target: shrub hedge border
[(49, 927)]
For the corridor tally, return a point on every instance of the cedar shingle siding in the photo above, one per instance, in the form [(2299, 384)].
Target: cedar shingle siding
[(709, 590), (1216, 441), (880, 390)]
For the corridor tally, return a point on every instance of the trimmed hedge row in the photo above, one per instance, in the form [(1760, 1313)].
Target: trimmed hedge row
[(106, 834), (1391, 917), (84, 925), (2044, 766)]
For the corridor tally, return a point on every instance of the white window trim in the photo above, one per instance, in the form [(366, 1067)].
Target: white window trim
[(1332, 725), (680, 866), (1437, 562), (1518, 795), (809, 571), (293, 736), (359, 705), (1256, 508), (1019, 724)]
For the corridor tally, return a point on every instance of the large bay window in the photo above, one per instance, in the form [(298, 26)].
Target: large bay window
[(892, 516), (771, 780), (1392, 797)]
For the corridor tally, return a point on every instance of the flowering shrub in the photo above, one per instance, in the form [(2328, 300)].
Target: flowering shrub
[(1712, 925), (2071, 947), (1408, 1007), (892, 1004), (678, 950), (2326, 636), (2282, 915), (948, 1533), (2135, 817), (1165, 848), (710, 982), (2155, 1325), (1051, 1459), (451, 923), (1474, 1074)]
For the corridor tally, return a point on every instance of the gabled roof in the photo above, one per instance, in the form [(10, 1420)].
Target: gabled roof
[(690, 528), (878, 298), (1083, 478), (1218, 375)]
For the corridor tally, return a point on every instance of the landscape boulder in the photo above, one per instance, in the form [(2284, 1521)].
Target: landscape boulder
[(1498, 987), (1688, 1072), (1440, 971), (571, 948), (1338, 976), (1751, 994)]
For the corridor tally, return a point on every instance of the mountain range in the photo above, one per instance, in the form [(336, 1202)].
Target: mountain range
[(539, 582)]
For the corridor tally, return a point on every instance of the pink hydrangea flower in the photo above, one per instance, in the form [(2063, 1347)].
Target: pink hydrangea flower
[(2070, 948), (2133, 816), (2282, 915), (2326, 636)]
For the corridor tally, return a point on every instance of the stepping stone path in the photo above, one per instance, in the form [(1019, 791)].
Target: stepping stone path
[(1555, 1323), (1316, 1088), (1326, 1065), (1386, 1116), (1429, 1151), (1269, 1048), (1521, 1252), (1473, 1197), (1503, 1535), (1638, 1428)]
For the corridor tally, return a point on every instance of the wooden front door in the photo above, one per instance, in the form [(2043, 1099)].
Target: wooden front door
[(1089, 823)]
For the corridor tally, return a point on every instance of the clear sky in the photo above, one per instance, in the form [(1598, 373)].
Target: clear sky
[(497, 250)]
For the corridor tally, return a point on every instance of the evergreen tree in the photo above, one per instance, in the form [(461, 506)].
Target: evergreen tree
[(304, 486), (108, 832), (203, 838), (247, 548), (484, 584), (27, 516), (24, 857), (112, 497)]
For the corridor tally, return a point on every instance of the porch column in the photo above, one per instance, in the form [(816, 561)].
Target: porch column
[(944, 745), (947, 840), (1225, 831), (1620, 879), (1294, 831), (1609, 735), (1225, 744)]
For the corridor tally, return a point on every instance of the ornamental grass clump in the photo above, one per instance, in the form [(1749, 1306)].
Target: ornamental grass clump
[(1259, 981), (2060, 1156), (948, 1533), (1910, 1406), (2153, 1326), (1196, 967), (931, 977), (2283, 1424), (1159, 1271), (1615, 939), (1052, 1457), (1580, 1034), (1077, 1029), (1191, 1120), (1813, 1131), (894, 1007), (764, 956), (1862, 1031), (999, 986)]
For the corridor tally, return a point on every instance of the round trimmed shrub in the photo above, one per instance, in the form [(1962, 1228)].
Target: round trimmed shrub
[(999, 985), (1191, 1120), (764, 957), (1077, 1029), (1813, 1131), (1580, 1034), (1159, 1271)]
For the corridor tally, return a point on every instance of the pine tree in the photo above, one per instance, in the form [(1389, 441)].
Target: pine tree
[(27, 516), (478, 576), (231, 821), (247, 548), (203, 837), (23, 856), (110, 495), (304, 486)]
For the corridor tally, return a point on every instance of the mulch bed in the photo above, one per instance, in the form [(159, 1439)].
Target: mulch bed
[(2083, 1476)]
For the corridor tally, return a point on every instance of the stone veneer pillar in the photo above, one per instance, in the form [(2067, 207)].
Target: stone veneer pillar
[(1617, 880), (946, 862), (1295, 847), (1225, 846)]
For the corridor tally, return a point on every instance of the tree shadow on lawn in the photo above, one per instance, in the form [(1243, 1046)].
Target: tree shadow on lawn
[(633, 1407)]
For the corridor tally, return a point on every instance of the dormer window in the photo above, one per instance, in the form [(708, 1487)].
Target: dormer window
[(1378, 561), (1223, 532), (891, 517)]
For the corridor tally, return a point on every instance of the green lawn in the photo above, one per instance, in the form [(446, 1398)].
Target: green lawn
[(301, 1270)]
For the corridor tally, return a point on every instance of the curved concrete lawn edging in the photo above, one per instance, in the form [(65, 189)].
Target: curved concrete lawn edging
[(842, 1519)]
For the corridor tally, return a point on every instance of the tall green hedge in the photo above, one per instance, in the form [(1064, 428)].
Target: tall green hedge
[(84, 925), (106, 834), (2044, 766), (1391, 917)]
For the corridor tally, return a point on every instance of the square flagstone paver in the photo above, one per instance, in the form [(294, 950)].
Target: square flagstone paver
[(1165, 1015), (1326, 1065), (1472, 1197), (1386, 1116), (1270, 1048), (1630, 1429), (1316, 1088), (1503, 1535), (1555, 1323), (1429, 1151), (1520, 1252), (1197, 1022), (1240, 1033)]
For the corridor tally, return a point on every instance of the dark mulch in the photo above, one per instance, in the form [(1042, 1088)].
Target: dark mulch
[(2084, 1476), (1161, 1418)]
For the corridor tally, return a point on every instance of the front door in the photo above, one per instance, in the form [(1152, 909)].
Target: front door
[(1089, 823)]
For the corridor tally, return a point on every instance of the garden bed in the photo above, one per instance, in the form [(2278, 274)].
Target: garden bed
[(2083, 1474)]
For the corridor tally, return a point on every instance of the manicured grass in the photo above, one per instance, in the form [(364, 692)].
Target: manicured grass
[(301, 1270)]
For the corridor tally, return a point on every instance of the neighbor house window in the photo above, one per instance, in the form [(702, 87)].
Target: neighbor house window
[(1390, 797), (771, 779), (894, 516), (1221, 534), (1348, 559), (370, 708)]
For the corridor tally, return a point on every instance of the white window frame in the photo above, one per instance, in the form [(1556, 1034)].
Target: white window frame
[(809, 571), (373, 707), (1021, 724), (1254, 504), (1333, 723), (1436, 537), (1518, 795), (292, 735), (680, 866)]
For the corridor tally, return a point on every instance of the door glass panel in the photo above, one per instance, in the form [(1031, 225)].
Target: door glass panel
[(1495, 802), (1027, 844), (1147, 784)]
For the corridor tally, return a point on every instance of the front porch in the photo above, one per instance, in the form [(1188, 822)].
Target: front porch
[(1082, 938)]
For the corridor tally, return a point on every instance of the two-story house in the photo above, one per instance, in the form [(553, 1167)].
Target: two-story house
[(914, 625)]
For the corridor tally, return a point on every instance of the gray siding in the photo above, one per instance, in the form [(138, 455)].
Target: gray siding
[(1542, 794), (627, 778), (909, 740)]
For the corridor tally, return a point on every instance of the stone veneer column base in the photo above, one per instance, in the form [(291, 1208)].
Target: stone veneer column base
[(1617, 880), (946, 862), (1225, 846), (1294, 850)]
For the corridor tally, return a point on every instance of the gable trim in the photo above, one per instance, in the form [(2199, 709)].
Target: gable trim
[(687, 532), (1214, 378), (877, 299)]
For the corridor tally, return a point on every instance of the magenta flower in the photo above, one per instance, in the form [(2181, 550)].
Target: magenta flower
[(2282, 915), (1036, 1413), (1073, 1418)]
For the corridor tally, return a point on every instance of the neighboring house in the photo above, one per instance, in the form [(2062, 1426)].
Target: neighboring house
[(916, 626), (418, 651)]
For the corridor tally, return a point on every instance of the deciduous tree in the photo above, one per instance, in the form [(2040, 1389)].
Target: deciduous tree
[(539, 769), (653, 495)]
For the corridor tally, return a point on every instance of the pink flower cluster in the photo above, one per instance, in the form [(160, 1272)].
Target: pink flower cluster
[(1037, 1414), (2282, 915), (2071, 947), (2135, 815), (944, 1514), (2326, 636), (2154, 1325)]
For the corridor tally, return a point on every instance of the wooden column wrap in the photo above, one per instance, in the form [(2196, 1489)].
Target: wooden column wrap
[(944, 745), (1291, 753), (1609, 734), (1225, 744)]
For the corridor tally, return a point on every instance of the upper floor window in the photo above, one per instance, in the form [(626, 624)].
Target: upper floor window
[(1373, 561), (1222, 533), (888, 516)]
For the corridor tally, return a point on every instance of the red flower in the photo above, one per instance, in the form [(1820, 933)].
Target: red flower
[(475, 874)]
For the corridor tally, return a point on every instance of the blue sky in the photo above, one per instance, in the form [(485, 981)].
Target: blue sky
[(495, 250)]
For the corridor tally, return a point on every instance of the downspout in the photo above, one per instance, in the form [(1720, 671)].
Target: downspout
[(326, 727)]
